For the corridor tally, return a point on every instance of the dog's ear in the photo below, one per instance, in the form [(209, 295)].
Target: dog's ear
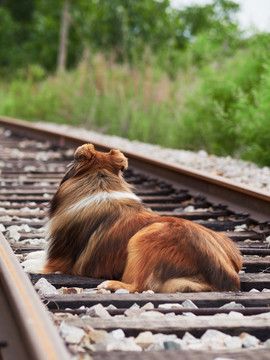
[(118, 160), (84, 152)]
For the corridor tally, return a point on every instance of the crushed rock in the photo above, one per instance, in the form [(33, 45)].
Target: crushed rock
[(243, 172)]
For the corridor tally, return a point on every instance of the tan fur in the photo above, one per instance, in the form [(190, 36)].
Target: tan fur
[(98, 228)]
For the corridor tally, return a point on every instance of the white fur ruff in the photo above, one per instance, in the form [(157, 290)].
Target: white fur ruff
[(102, 197)]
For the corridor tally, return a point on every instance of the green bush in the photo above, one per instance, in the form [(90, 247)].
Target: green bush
[(255, 118), (221, 106)]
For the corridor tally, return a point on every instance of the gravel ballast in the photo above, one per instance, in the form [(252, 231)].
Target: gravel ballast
[(243, 172)]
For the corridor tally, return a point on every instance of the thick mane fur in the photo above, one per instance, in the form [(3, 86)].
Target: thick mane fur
[(99, 228)]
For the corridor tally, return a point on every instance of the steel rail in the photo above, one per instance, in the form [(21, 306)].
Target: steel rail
[(238, 197), (26, 332), (208, 304)]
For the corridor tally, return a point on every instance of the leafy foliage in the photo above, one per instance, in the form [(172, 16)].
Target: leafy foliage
[(137, 67), (123, 28)]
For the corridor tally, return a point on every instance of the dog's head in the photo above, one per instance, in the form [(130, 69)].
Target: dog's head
[(88, 160)]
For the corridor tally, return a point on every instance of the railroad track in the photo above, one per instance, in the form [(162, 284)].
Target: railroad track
[(32, 162)]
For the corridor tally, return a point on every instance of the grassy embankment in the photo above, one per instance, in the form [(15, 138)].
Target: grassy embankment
[(222, 107)]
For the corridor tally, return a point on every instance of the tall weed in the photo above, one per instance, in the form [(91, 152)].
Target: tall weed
[(221, 107)]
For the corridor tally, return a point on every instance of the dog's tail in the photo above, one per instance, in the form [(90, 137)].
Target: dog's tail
[(218, 259)]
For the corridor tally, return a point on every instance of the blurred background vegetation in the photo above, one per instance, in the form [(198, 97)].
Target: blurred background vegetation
[(140, 69)]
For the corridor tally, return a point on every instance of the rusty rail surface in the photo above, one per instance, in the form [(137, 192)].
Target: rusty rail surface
[(28, 183), (26, 333)]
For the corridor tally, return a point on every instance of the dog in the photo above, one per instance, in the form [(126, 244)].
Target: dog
[(99, 228)]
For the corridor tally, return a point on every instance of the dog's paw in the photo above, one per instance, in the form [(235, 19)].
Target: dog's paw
[(115, 285), (111, 285), (34, 262), (33, 266), (104, 285)]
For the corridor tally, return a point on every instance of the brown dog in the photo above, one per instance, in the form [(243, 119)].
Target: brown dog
[(99, 228)]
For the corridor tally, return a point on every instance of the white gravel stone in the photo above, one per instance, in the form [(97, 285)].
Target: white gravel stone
[(215, 339), (233, 343), (14, 227), (117, 345), (98, 311), (221, 315), (110, 307), (240, 228), (170, 315), (2, 228), (133, 312), (232, 305), (189, 208), (71, 334), (235, 315), (25, 228), (267, 239), (148, 306), (44, 288), (157, 346), (249, 341), (189, 304), (30, 168), (6, 218), (117, 334), (190, 339), (90, 291), (145, 339), (163, 337), (95, 336), (135, 306), (27, 209), (188, 314), (116, 340), (35, 255), (198, 346), (159, 340), (13, 235), (41, 230), (35, 241), (152, 315), (170, 306), (267, 344)]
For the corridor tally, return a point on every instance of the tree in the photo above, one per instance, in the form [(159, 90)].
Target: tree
[(123, 28), (63, 41)]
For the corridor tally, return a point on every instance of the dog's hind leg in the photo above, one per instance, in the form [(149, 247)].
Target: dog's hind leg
[(184, 285), (183, 264), (138, 275)]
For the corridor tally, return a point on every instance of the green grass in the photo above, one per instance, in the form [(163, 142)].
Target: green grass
[(222, 107)]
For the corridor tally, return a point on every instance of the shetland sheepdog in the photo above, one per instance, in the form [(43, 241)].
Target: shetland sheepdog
[(99, 228)]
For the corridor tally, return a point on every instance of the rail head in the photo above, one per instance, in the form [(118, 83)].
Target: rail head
[(239, 197), (40, 337)]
